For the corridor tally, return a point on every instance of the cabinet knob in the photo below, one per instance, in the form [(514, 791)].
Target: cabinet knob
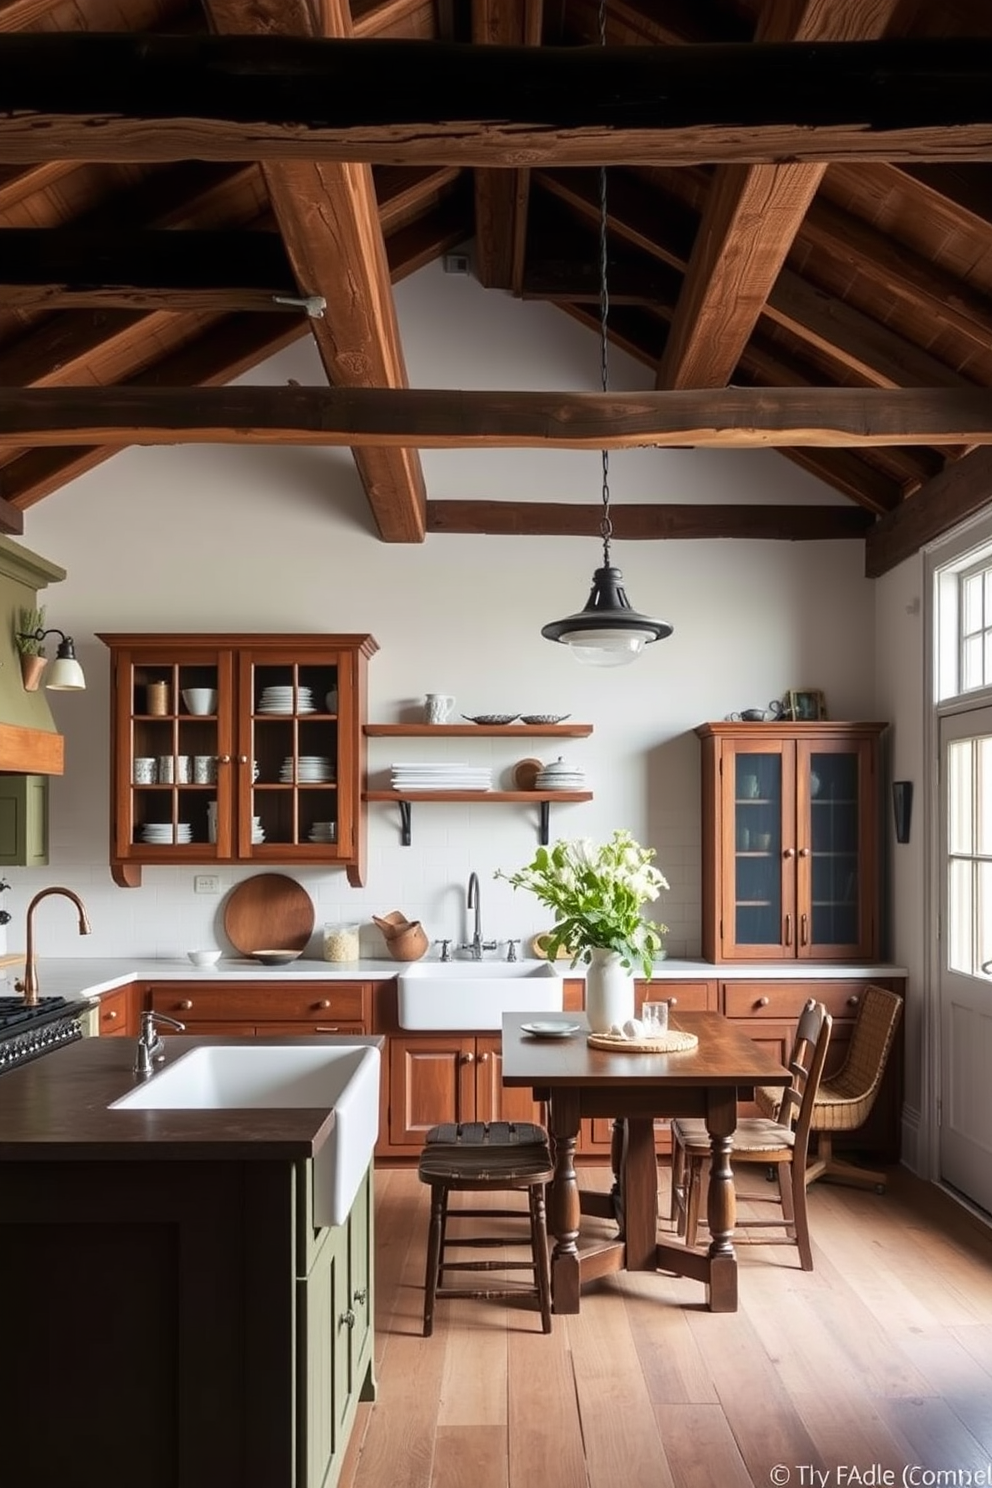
[(360, 1296), (804, 852), (853, 1000), (223, 759), (673, 1002), (110, 1015), (242, 759), (761, 1002), (185, 1005), (790, 852), (324, 1002), (483, 1058), (468, 1059), (348, 1319)]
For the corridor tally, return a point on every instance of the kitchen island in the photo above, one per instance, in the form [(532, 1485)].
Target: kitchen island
[(173, 1314)]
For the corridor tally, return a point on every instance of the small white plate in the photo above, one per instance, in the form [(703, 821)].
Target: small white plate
[(551, 1030)]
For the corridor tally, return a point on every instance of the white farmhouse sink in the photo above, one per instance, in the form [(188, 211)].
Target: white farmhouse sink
[(246, 1076), (475, 994)]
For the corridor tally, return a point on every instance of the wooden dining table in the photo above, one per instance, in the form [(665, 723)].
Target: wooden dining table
[(577, 1080)]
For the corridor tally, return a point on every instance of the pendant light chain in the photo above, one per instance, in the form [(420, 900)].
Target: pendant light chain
[(605, 526), (608, 632)]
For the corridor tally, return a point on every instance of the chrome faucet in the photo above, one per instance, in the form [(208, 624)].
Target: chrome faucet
[(29, 985), (150, 1046), (474, 901)]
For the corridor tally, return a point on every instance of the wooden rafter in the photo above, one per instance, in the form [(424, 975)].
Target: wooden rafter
[(328, 217), (115, 97)]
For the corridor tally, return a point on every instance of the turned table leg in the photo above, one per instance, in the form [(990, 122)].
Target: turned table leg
[(563, 1202)]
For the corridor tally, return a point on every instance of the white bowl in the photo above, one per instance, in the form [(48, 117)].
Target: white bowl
[(204, 958), (200, 700)]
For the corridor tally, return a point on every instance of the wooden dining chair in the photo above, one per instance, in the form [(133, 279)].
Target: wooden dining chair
[(781, 1144)]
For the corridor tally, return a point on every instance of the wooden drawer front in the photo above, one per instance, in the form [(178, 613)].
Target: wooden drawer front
[(114, 1013), (273, 1003), (335, 1026), (686, 997), (786, 999)]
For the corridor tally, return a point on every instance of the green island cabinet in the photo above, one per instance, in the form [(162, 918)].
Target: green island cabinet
[(198, 1330)]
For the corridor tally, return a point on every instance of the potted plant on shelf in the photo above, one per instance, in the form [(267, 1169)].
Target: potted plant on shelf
[(596, 893), (32, 650)]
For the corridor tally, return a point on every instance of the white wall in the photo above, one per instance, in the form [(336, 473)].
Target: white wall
[(224, 538)]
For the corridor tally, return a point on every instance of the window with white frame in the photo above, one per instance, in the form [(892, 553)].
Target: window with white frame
[(964, 625)]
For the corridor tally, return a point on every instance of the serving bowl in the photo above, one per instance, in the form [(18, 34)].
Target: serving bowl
[(204, 958), (490, 718), (276, 958), (544, 717)]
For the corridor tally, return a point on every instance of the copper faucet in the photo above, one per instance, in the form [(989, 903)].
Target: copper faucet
[(29, 986)]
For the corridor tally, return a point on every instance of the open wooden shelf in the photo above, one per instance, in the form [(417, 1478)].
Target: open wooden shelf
[(543, 799), (477, 730)]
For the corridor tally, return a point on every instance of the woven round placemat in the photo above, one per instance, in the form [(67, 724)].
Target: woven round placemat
[(672, 1042)]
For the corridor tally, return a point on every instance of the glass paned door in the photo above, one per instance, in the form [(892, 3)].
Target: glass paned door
[(759, 911), (965, 1136)]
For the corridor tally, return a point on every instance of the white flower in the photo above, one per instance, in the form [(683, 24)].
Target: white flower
[(596, 893)]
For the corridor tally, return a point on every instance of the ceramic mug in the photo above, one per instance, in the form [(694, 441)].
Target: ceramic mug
[(204, 769), (145, 771), (438, 707)]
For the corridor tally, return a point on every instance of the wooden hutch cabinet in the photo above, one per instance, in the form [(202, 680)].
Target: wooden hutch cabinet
[(790, 841), (270, 773)]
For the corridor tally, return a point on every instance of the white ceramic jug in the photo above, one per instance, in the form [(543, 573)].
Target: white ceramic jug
[(438, 707)]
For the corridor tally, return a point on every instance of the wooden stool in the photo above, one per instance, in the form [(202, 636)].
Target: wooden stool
[(486, 1157)]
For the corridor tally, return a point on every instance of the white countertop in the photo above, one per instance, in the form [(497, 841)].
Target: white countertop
[(85, 977)]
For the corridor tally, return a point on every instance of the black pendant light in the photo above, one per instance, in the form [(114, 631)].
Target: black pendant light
[(608, 631)]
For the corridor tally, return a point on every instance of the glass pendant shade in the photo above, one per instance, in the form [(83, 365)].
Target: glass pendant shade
[(608, 632)]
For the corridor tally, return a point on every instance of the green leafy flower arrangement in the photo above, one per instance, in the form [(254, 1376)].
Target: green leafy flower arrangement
[(596, 893)]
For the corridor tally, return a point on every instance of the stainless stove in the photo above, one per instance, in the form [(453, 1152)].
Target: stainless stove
[(27, 1032)]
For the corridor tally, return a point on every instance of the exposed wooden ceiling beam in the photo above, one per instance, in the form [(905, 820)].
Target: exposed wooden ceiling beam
[(725, 418), (329, 220), (649, 523), (951, 497), (222, 272), (110, 97)]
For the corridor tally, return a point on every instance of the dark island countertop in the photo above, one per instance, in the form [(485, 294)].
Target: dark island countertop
[(57, 1108)]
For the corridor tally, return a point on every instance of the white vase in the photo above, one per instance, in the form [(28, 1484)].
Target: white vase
[(609, 991)]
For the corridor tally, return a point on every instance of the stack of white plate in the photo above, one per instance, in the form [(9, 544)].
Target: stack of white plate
[(161, 832), (441, 776), (324, 832), (257, 830), (281, 699), (311, 769), (560, 776)]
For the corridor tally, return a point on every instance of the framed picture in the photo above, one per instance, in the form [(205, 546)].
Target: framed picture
[(806, 706)]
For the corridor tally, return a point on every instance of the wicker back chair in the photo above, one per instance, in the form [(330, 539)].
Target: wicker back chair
[(846, 1099)]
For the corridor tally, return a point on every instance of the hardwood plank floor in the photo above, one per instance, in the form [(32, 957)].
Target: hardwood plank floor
[(877, 1361)]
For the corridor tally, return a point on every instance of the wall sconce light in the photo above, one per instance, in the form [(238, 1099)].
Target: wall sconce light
[(902, 808), (66, 674)]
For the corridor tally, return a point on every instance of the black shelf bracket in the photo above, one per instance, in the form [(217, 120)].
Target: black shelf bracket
[(406, 833), (544, 832)]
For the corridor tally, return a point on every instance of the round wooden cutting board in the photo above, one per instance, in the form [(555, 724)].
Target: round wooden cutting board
[(269, 912)]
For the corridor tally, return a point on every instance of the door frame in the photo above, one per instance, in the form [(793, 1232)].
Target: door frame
[(970, 535)]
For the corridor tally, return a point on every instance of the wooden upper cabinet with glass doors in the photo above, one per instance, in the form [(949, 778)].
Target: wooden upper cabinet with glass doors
[(790, 841), (237, 749)]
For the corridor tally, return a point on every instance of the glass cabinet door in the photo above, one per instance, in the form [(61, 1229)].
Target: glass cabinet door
[(834, 794), (176, 756), (290, 759), (760, 916)]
